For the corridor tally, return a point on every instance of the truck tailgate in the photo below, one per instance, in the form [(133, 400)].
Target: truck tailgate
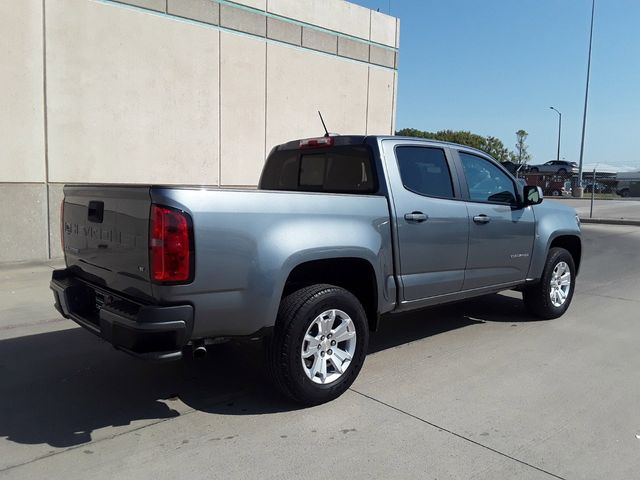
[(105, 233)]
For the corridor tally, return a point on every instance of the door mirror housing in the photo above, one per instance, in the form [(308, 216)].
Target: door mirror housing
[(532, 195)]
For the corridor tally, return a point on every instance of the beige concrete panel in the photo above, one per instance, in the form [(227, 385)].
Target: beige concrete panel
[(158, 5), (318, 40), (23, 235), (298, 86), (242, 93), (243, 20), (335, 15), (380, 113), (133, 97), (259, 4), (397, 33), (56, 195), (284, 31), (395, 102), (22, 97), (383, 29), (382, 56), (206, 11), (353, 49)]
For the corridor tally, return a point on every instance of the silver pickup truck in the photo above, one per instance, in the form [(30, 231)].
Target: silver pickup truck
[(341, 231)]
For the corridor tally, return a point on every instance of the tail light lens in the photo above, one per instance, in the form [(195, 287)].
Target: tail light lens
[(170, 245)]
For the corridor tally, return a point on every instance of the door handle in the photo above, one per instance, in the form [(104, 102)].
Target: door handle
[(482, 218), (415, 217)]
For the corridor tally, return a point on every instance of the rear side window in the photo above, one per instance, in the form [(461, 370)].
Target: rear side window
[(424, 170), (342, 169)]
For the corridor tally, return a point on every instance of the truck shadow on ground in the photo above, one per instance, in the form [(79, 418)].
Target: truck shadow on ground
[(59, 387)]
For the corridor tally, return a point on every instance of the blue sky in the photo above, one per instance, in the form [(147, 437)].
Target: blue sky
[(496, 66)]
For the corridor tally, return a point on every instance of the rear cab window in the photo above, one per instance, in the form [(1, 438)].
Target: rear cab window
[(335, 169)]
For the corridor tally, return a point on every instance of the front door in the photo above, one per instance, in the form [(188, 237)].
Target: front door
[(431, 220), (501, 234)]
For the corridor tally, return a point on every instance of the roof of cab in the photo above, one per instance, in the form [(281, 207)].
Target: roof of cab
[(341, 140)]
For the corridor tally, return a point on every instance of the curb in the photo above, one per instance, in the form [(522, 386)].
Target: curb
[(610, 221)]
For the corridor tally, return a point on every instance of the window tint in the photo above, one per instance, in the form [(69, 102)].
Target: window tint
[(487, 183), (342, 169), (425, 171)]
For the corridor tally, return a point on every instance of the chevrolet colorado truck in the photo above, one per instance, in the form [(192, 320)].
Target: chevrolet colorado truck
[(341, 231)]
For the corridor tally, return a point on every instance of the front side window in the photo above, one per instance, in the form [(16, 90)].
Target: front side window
[(486, 182), (424, 170)]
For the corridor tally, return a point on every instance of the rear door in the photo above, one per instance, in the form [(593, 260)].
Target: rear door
[(432, 227), (106, 236), (501, 233)]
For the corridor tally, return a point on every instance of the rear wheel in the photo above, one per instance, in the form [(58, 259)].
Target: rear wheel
[(551, 297), (562, 171), (534, 170), (556, 193), (319, 344)]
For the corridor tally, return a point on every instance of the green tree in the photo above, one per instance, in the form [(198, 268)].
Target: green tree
[(496, 149), (491, 145), (521, 154)]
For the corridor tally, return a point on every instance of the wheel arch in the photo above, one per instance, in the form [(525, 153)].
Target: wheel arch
[(354, 274), (572, 244)]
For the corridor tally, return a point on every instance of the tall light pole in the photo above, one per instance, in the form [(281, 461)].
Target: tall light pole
[(586, 99), (559, 129)]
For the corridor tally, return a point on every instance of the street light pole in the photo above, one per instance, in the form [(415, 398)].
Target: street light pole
[(559, 129), (586, 98)]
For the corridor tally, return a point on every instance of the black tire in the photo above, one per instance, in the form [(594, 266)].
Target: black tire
[(562, 171), (534, 170), (625, 193), (555, 193), (537, 298), (296, 313)]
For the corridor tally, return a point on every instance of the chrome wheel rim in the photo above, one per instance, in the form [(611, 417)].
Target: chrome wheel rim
[(560, 284), (328, 346)]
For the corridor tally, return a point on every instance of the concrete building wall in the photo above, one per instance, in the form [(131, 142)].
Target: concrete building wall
[(174, 92)]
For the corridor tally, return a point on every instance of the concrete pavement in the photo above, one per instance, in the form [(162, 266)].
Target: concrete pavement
[(628, 209), (474, 390)]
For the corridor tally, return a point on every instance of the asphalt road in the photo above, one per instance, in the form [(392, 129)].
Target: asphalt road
[(475, 390)]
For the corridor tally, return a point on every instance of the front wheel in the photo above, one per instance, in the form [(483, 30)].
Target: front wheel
[(551, 297), (319, 343)]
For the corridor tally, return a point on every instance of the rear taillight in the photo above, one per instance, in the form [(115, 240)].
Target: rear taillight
[(170, 245)]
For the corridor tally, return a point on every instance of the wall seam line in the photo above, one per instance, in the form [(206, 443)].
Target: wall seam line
[(219, 106), (46, 128), (266, 85), (366, 118)]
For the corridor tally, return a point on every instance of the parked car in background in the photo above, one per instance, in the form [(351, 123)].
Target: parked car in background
[(598, 188), (628, 184), (555, 166)]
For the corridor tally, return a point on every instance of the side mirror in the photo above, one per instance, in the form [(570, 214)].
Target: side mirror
[(532, 195)]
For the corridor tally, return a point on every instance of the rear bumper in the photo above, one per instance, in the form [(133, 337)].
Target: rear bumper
[(148, 331)]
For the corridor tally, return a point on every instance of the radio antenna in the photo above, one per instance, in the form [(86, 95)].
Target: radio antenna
[(326, 132)]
